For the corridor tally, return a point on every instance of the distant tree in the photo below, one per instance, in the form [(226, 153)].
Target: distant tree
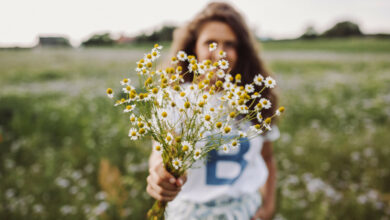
[(163, 34), (53, 41), (310, 33), (99, 40), (343, 29)]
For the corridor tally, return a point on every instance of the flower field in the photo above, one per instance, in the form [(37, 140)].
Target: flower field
[(65, 154)]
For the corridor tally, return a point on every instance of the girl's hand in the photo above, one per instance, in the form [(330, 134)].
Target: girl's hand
[(161, 184)]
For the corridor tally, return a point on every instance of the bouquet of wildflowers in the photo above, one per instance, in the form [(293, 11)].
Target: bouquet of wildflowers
[(187, 120)]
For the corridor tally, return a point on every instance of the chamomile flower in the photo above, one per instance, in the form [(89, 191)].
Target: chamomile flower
[(157, 46), (255, 95), (127, 89), (207, 117), (222, 54), (133, 119), (266, 103), (228, 77), (110, 93), (225, 148), (227, 85), (223, 64), (279, 111), (179, 70), (259, 106), (220, 73), (258, 80), (267, 124), (235, 144), (243, 109), (256, 128), (181, 55), (169, 138), (232, 115), (133, 134), (163, 114), (213, 46), (183, 95), (269, 82), (125, 81), (158, 148), (186, 147), (174, 60), (155, 54), (249, 88), (197, 154), (242, 134), (259, 117), (201, 69), (227, 129), (129, 108), (176, 163)]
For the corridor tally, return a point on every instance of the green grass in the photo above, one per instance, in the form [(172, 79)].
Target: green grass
[(352, 45), (57, 129)]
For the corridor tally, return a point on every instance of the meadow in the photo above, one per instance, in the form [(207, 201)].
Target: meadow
[(65, 153)]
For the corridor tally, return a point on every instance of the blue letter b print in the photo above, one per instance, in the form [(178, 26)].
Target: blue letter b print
[(215, 157)]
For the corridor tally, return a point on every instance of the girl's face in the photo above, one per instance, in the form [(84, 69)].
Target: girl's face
[(223, 35)]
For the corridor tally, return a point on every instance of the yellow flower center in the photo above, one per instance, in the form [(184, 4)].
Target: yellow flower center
[(164, 114)]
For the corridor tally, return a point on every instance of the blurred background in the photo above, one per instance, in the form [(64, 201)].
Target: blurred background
[(64, 150)]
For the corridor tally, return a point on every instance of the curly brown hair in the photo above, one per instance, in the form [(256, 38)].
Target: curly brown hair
[(249, 62)]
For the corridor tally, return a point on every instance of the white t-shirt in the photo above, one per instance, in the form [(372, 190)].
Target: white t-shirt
[(228, 174)]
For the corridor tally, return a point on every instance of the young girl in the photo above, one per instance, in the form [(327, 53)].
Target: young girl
[(235, 186)]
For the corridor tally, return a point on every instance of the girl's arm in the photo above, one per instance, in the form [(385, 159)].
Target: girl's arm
[(268, 191)]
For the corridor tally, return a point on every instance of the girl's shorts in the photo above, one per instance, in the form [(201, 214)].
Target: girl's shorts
[(223, 208)]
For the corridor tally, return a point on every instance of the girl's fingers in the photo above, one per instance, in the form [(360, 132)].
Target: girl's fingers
[(154, 193), (164, 183)]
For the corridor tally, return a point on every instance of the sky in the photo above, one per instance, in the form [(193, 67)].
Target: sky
[(21, 21)]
